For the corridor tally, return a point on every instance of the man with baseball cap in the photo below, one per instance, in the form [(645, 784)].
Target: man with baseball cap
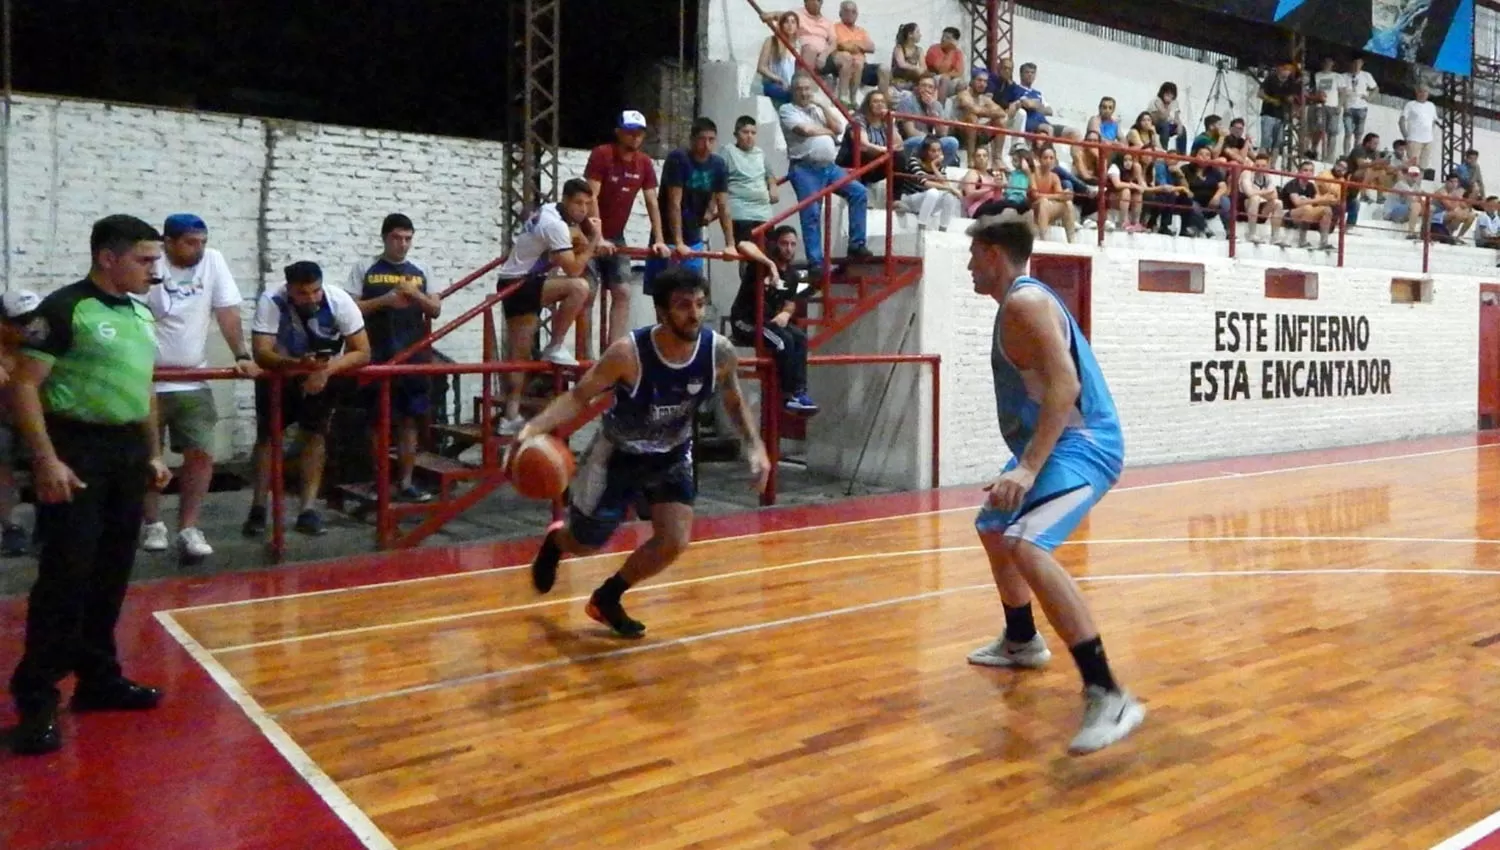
[(196, 286), (616, 173), (17, 308)]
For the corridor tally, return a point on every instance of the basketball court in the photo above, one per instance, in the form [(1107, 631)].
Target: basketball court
[(1313, 635)]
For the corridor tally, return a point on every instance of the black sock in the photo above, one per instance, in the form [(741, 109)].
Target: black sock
[(613, 588), (1092, 664), (1019, 625)]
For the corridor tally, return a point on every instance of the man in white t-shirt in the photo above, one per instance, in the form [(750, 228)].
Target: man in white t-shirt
[(1323, 111), (299, 327), (1356, 89), (1418, 127), (196, 286)]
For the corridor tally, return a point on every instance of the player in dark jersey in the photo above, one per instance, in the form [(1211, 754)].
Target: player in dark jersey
[(659, 376)]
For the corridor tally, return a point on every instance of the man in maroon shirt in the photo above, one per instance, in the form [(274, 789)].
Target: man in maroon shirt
[(616, 172)]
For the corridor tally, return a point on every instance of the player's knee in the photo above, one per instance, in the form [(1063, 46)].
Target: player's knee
[(670, 546)]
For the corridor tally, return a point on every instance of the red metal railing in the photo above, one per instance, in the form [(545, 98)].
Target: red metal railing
[(1234, 171)]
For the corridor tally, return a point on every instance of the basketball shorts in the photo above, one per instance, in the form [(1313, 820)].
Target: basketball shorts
[(1059, 500), (610, 481)]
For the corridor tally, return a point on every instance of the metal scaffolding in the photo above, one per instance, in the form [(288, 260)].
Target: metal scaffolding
[(531, 161), (992, 31), (1456, 120)]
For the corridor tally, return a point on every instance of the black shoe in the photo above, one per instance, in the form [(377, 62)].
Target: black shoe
[(118, 694), (859, 252), (255, 522), (37, 733), (544, 566), (310, 522), (613, 614)]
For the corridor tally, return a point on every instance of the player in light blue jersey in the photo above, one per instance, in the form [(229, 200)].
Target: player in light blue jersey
[(659, 376), (1058, 419)]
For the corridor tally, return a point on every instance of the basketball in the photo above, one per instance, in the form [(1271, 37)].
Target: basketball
[(541, 467)]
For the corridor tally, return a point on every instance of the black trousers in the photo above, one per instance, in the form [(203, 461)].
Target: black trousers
[(88, 551), (787, 347)]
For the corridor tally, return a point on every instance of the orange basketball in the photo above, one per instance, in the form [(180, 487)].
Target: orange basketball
[(541, 467)]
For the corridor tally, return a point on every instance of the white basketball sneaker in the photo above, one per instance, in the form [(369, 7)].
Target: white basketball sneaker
[(1108, 716), (1032, 654), (155, 538)]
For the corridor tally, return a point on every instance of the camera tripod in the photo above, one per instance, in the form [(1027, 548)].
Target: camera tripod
[(1220, 91)]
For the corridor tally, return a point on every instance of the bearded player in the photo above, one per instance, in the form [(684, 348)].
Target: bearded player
[(660, 376), (1058, 418)]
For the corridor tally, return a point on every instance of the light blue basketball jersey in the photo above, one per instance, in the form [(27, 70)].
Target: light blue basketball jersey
[(1092, 435)]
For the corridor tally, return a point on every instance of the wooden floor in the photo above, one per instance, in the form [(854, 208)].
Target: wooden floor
[(1314, 647)]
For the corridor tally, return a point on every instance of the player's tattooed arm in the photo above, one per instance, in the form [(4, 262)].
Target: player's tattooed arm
[(728, 361)]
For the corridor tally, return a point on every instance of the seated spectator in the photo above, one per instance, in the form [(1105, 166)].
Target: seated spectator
[(974, 105), (924, 101), (1016, 194), (1237, 147), (1454, 214), (874, 137), (1142, 134), (302, 325), (851, 45), (810, 130), (946, 60), (777, 64), (17, 309), (1212, 137), (815, 36), (1127, 185), (1305, 208), (1368, 166), (1168, 195), (1086, 160), (1469, 175), (752, 186), (982, 183), (1050, 199), (785, 288), (1104, 125), (937, 199), (1404, 207), (1344, 202), (1209, 189), (544, 245), (1487, 224), (694, 181), (1166, 119), (1260, 200), (906, 57)]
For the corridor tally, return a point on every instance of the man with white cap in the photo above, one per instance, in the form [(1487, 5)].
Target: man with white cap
[(617, 171), (17, 307), (196, 286)]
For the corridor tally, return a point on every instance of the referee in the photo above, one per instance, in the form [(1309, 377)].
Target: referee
[(84, 404)]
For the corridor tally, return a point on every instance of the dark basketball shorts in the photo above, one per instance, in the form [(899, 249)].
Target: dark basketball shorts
[(609, 481)]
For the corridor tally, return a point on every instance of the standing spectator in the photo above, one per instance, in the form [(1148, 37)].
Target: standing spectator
[(83, 400), (17, 308), (696, 180), (616, 173), (546, 244), (851, 46), (810, 129), (311, 335), (1356, 90), (1279, 95), (777, 64), (1324, 113), (392, 295), (1418, 122), (1261, 201), (752, 186), (196, 286), (785, 288), (946, 60), (1305, 208)]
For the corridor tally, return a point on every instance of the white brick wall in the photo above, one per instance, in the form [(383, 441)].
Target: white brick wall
[(271, 191), (1145, 342)]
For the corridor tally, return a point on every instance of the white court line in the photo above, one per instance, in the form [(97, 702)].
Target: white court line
[(568, 600), (322, 784), (1471, 836), (1220, 477), (824, 615)]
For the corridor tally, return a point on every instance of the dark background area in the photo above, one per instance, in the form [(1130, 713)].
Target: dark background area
[(437, 66)]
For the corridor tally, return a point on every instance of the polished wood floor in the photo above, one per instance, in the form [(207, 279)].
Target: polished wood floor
[(1318, 649)]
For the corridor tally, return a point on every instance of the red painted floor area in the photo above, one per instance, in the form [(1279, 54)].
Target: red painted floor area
[(197, 774)]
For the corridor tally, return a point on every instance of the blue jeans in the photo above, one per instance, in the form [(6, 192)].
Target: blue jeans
[(808, 178)]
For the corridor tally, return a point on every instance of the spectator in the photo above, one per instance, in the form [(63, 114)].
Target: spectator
[(1127, 183), (1143, 135), (946, 60), (1368, 166), (1487, 224), (544, 245), (851, 45), (906, 58), (311, 335), (784, 289), (982, 183), (1166, 118), (875, 136), (1469, 175), (1103, 124), (1038, 112), (1344, 202), (777, 64), (1305, 208), (1050, 199), (810, 129), (196, 286), (17, 309), (1324, 118), (924, 101), (975, 105), (1168, 195), (1417, 122), (1356, 90), (815, 37), (1017, 192), (1279, 95), (696, 180), (1236, 147), (1453, 216), (1261, 201), (616, 172), (752, 186), (1209, 189), (1212, 137), (392, 295), (1403, 207), (937, 199), (1086, 159)]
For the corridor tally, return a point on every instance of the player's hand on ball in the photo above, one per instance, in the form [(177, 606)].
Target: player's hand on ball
[(1010, 489), (760, 467)]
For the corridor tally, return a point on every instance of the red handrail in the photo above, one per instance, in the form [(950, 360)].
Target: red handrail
[(472, 276)]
